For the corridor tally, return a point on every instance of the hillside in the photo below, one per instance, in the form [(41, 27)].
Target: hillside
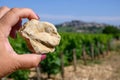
[(81, 26)]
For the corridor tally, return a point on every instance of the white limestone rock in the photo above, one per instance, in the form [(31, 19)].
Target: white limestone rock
[(41, 37)]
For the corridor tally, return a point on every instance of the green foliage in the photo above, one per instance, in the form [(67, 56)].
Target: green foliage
[(51, 64), (69, 41), (20, 75), (112, 30)]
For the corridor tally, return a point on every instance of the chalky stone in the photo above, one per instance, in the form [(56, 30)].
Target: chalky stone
[(41, 37)]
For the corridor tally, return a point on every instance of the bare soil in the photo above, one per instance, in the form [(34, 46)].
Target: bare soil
[(109, 69)]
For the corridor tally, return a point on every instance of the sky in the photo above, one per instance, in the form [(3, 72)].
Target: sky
[(58, 11)]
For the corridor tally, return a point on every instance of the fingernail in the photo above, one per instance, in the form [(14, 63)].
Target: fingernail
[(43, 56), (38, 16)]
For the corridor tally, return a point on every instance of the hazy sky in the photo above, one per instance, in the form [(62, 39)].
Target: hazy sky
[(58, 11)]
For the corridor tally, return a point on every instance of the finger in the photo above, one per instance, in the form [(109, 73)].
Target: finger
[(3, 10), (30, 60), (13, 16), (15, 28)]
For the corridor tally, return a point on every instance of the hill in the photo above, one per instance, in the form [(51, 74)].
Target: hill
[(81, 26)]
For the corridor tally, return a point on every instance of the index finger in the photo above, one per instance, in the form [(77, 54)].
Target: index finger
[(15, 14)]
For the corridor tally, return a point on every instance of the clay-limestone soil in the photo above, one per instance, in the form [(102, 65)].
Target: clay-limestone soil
[(109, 69)]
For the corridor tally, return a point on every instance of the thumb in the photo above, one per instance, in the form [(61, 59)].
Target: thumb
[(29, 60)]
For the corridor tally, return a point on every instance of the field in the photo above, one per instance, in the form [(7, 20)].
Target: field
[(108, 68), (88, 53)]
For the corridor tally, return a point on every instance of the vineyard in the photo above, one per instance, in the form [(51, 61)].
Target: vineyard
[(73, 47)]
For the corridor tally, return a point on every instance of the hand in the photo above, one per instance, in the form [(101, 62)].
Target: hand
[(10, 22)]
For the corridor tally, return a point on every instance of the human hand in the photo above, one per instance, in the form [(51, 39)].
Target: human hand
[(10, 22)]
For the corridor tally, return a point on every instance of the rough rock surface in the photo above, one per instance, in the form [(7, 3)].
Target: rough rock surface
[(41, 37)]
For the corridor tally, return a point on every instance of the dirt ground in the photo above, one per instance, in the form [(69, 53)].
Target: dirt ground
[(107, 69)]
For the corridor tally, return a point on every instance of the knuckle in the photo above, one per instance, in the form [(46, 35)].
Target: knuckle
[(14, 9)]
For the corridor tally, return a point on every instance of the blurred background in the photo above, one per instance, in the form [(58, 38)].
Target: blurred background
[(90, 40)]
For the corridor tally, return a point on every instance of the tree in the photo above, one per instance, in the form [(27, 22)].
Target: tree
[(112, 30)]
